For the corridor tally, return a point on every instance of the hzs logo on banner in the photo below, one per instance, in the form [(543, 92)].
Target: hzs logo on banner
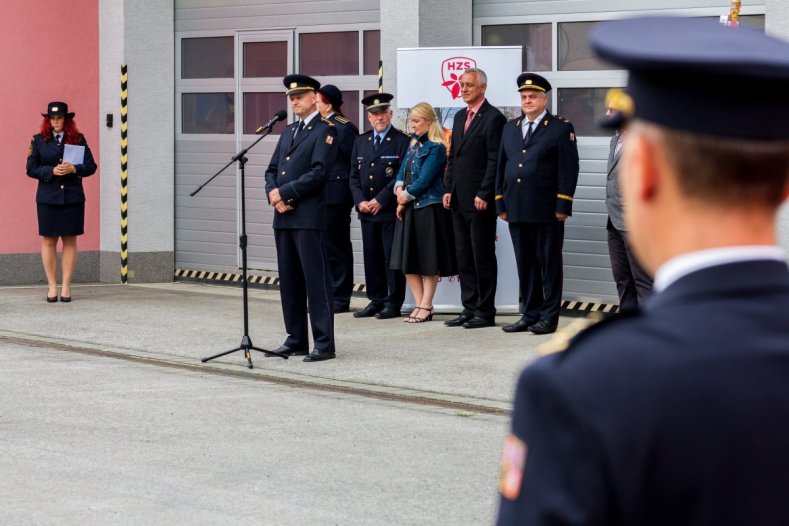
[(451, 70)]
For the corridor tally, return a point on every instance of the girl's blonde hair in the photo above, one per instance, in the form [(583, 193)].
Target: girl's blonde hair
[(434, 132)]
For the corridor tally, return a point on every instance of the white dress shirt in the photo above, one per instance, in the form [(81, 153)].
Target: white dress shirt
[(681, 266), (525, 123)]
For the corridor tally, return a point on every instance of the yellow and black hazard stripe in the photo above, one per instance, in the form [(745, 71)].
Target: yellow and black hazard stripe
[(380, 76), (124, 175), (588, 306), (228, 277), (273, 281)]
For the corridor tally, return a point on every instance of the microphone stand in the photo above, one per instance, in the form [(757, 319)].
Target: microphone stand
[(246, 341)]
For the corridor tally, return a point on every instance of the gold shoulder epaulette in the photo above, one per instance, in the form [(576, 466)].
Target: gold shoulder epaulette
[(327, 121), (341, 119), (561, 340)]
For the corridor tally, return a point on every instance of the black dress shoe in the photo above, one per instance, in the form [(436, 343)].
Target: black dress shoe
[(519, 326), (477, 323), (288, 351), (543, 327), (319, 356), (52, 299), (340, 308), (65, 299), (368, 312), (388, 313), (459, 321)]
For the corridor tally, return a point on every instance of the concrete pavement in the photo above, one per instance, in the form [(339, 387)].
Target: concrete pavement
[(86, 440), (190, 321), (108, 415)]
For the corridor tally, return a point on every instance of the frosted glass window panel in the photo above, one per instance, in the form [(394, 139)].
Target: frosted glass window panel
[(207, 113), (207, 58), (259, 107), (535, 39), (265, 59), (323, 54), (372, 52)]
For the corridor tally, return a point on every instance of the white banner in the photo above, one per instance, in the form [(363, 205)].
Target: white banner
[(432, 75)]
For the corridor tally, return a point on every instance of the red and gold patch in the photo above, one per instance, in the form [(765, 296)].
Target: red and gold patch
[(572, 137), (329, 139), (513, 462)]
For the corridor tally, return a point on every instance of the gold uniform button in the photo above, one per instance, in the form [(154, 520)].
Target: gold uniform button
[(288, 158), (520, 165), (524, 151), (371, 177), (62, 187), (338, 177), (372, 164), (519, 180), (372, 189), (283, 172)]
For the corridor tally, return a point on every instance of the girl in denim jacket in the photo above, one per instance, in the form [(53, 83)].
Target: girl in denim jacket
[(423, 247)]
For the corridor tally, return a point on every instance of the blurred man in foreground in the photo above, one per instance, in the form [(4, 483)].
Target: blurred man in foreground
[(675, 414)]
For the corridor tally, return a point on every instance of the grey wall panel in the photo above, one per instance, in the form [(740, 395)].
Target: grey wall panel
[(508, 8), (191, 15), (205, 225)]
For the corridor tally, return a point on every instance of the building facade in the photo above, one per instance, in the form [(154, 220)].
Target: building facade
[(204, 74)]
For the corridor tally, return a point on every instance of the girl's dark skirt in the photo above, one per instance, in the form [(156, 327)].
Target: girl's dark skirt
[(61, 220), (424, 243)]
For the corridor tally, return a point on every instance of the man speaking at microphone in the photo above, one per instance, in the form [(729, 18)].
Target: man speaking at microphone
[(295, 186)]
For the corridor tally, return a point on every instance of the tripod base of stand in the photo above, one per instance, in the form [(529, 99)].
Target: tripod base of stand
[(247, 347)]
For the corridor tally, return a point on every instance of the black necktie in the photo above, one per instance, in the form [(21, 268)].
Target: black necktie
[(377, 142), (58, 139), (299, 128), (528, 132)]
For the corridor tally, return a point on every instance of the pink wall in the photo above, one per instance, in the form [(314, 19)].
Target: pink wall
[(50, 51)]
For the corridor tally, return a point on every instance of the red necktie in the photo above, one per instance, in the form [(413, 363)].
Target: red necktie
[(469, 117)]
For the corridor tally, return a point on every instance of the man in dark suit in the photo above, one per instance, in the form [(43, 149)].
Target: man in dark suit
[(375, 162), (470, 191), (338, 199), (676, 414), (535, 184), (633, 284), (296, 187)]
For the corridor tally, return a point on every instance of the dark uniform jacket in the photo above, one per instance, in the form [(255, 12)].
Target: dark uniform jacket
[(42, 157), (300, 167), (337, 190), (676, 415), (535, 181), (373, 173), (471, 164)]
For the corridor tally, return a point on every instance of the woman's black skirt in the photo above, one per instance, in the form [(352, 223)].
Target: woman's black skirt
[(61, 220), (424, 243)]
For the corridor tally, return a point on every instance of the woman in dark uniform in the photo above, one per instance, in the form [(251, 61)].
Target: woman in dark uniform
[(60, 198), (423, 247), (339, 201)]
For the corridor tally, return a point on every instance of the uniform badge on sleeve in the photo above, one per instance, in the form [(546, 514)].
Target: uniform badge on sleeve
[(572, 137), (329, 139), (513, 461), (30, 150)]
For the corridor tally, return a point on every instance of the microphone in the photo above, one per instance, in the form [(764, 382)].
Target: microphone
[(280, 116)]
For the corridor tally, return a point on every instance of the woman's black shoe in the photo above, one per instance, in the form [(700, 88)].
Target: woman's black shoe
[(64, 299), (53, 299)]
